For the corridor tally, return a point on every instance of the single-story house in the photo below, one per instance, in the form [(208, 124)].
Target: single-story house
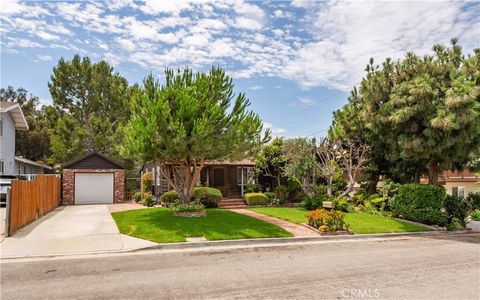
[(223, 175), (93, 179), (29, 167)]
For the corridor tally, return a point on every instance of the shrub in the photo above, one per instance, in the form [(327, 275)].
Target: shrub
[(455, 224), (209, 197), (252, 188), (256, 199), (169, 197), (380, 203), (474, 199), (282, 192), (390, 189), (315, 202), (358, 199), (137, 197), (342, 205), (421, 203), (457, 208), (147, 182), (325, 220), (193, 206), (148, 200), (475, 215), (270, 195), (294, 188)]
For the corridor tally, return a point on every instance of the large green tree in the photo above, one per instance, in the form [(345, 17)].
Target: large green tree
[(33, 144), (301, 162), (191, 119), (91, 103), (422, 113)]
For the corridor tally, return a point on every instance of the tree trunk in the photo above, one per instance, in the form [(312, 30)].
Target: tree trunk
[(372, 185), (329, 186), (433, 171), (418, 175), (278, 179)]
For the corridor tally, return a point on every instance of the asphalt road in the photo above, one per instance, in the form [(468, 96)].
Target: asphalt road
[(445, 267)]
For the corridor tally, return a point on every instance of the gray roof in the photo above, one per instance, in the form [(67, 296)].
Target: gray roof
[(31, 162)]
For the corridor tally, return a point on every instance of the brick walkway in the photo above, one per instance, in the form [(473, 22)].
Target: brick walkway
[(296, 230)]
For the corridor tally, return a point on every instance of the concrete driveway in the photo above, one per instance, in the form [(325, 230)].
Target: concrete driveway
[(70, 230)]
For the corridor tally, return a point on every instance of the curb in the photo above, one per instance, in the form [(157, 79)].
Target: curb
[(266, 242), (293, 240)]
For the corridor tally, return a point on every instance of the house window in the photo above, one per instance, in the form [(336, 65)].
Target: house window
[(248, 175), (1, 127), (458, 191), (25, 170), (19, 169), (2, 167)]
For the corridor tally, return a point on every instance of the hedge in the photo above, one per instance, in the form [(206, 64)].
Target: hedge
[(421, 203), (256, 199), (209, 197)]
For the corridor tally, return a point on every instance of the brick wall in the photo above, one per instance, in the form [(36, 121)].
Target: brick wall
[(68, 192)]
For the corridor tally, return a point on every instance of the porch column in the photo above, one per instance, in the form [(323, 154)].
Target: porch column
[(241, 173)]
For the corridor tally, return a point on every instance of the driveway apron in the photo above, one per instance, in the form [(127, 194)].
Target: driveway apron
[(70, 230)]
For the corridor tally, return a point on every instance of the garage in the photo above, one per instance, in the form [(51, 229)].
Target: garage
[(93, 179), (91, 188)]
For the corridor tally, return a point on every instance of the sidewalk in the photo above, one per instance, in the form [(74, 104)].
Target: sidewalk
[(296, 230), (70, 230)]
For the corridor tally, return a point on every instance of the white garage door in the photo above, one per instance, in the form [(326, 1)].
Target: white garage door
[(93, 188)]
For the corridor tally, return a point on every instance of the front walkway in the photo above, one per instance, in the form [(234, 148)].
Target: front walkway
[(296, 230), (70, 230)]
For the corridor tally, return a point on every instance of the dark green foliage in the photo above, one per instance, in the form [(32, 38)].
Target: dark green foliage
[(270, 195), (421, 203), (137, 197), (209, 197), (256, 199), (314, 202), (294, 188), (420, 115), (282, 192), (91, 104), (270, 159), (474, 200), (457, 208), (190, 119)]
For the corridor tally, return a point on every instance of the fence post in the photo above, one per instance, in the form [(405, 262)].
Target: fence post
[(8, 208)]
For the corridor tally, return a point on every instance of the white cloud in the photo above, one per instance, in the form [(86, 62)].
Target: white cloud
[(276, 131), (47, 36), (248, 23), (303, 102), (165, 6), (256, 87), (347, 34), (42, 57)]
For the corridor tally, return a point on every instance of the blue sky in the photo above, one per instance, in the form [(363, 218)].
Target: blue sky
[(296, 61)]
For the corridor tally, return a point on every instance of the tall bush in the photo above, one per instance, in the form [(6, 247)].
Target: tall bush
[(421, 203)]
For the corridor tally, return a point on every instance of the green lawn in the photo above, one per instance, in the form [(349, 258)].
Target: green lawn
[(359, 223), (159, 225)]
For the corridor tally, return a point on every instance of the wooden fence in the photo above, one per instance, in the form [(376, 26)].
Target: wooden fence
[(30, 200)]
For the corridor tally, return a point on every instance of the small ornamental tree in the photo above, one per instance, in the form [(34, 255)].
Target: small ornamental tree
[(270, 159), (191, 119), (300, 162)]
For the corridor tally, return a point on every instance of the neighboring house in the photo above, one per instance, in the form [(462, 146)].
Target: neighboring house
[(11, 119), (26, 166), (460, 183), (223, 175)]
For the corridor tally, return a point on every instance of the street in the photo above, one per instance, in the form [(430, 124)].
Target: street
[(440, 267)]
